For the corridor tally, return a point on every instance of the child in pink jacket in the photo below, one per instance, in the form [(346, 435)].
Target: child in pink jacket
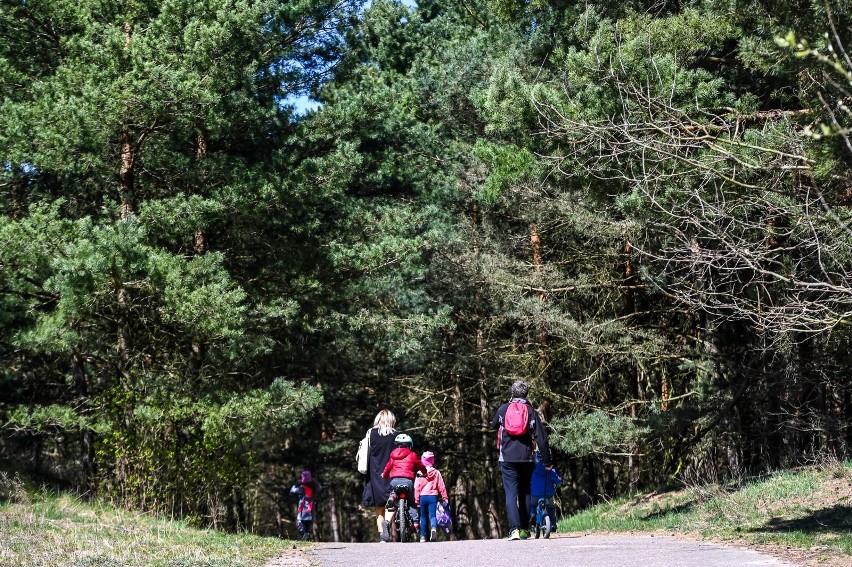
[(427, 489)]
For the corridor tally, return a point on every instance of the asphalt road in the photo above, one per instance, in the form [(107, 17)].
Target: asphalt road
[(569, 551)]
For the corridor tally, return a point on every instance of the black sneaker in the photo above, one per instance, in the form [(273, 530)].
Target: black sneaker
[(385, 537)]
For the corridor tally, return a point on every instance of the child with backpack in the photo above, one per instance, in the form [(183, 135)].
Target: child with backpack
[(306, 488), (427, 489), (543, 485)]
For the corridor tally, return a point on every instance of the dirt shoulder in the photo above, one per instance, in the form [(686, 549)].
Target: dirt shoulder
[(295, 557)]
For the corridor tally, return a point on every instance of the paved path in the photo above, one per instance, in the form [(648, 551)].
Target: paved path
[(571, 551)]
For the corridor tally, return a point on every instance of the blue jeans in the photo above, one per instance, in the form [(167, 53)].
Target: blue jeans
[(516, 482), (428, 513)]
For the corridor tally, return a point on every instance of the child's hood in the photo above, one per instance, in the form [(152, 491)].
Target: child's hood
[(400, 453), (431, 473)]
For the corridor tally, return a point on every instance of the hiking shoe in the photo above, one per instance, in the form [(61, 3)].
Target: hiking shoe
[(524, 534), (385, 537), (433, 536), (514, 534)]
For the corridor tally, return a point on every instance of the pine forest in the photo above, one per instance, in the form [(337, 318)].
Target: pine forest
[(643, 208)]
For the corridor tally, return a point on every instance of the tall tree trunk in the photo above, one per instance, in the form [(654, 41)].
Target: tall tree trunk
[(126, 153), (635, 383), (591, 479), (126, 180), (332, 508), (463, 516), (126, 175), (87, 437), (538, 264), (464, 523), (279, 514), (200, 241), (487, 440), (198, 349)]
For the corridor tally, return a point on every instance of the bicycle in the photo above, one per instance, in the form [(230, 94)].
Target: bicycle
[(401, 524), (540, 519)]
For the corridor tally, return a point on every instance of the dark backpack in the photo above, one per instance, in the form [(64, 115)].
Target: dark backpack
[(517, 419)]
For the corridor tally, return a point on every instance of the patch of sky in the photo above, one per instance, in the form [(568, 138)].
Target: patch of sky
[(409, 3), (302, 103), (26, 168)]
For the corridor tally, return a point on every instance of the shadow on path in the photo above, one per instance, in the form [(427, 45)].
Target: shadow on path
[(835, 519)]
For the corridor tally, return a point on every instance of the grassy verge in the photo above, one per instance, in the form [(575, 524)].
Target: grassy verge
[(807, 512), (59, 530)]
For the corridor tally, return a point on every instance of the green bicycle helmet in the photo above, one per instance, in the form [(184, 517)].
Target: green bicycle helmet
[(404, 440)]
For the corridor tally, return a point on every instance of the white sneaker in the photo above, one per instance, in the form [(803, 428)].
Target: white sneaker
[(433, 536), (422, 539)]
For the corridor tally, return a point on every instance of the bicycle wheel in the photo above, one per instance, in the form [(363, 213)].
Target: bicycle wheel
[(546, 527), (404, 528)]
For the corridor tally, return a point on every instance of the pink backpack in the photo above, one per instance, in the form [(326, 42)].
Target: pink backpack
[(517, 419)]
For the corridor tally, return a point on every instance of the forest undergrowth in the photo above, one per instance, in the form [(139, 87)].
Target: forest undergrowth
[(44, 527)]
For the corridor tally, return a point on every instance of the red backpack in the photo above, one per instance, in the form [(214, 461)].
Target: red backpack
[(517, 419)]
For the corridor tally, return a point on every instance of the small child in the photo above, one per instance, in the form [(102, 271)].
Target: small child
[(543, 485), (401, 467), (306, 487), (427, 488)]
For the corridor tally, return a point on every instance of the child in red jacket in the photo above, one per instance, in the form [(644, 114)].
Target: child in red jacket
[(306, 488), (401, 469), (427, 490)]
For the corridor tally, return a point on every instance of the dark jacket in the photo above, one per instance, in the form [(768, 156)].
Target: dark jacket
[(376, 489), (403, 463), (307, 492), (520, 449)]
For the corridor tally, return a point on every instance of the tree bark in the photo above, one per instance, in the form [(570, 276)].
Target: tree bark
[(490, 480), (332, 507), (198, 350), (126, 175), (538, 264)]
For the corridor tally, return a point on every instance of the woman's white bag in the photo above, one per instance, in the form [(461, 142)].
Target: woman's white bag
[(364, 453)]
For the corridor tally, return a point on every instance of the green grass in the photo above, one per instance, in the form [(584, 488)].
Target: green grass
[(58, 530), (808, 510)]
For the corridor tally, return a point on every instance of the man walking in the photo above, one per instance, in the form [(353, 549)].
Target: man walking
[(518, 426)]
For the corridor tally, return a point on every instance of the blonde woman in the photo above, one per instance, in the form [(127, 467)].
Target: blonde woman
[(376, 489)]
